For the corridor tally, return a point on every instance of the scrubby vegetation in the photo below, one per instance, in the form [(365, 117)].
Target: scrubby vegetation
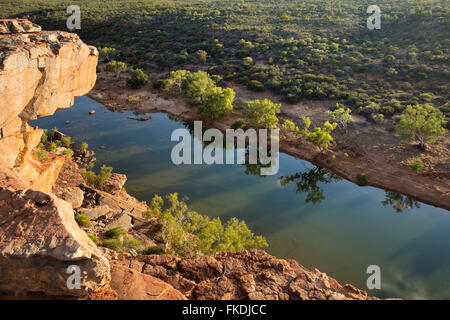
[(83, 221), (97, 180), (118, 240), (422, 123), (188, 233), (300, 49)]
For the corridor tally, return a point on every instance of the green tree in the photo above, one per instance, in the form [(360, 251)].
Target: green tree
[(262, 113), (115, 66), (187, 233), (174, 81), (197, 86), (341, 115), (137, 78), (217, 103), (320, 136), (421, 122)]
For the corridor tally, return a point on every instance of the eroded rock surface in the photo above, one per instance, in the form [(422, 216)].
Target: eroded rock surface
[(40, 72), (39, 240), (253, 275)]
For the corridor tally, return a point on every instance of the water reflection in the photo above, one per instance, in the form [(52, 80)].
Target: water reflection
[(399, 202), (308, 182)]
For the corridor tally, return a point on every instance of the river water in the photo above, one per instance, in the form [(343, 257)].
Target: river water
[(305, 212)]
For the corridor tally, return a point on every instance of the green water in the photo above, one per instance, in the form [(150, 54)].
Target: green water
[(344, 233)]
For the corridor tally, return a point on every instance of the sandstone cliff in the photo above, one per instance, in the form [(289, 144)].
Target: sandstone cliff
[(40, 72)]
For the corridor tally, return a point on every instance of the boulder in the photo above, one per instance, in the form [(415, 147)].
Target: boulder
[(96, 212), (115, 182), (73, 195), (132, 285), (39, 241), (121, 220)]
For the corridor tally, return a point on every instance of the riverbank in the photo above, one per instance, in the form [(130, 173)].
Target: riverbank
[(367, 149)]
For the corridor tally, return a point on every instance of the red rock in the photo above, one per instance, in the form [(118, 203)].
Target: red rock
[(133, 285)]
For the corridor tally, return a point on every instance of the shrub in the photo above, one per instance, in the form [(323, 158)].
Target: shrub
[(83, 147), (197, 86), (52, 147), (421, 122), (66, 141), (341, 115), (377, 118), (201, 55), (68, 152), (115, 66), (174, 81), (153, 250), (290, 127), (137, 79), (41, 155), (256, 85), (321, 137), (115, 232), (188, 232), (262, 113), (93, 237), (416, 165), (247, 61), (83, 221), (238, 124), (217, 103), (362, 180), (97, 180), (113, 244), (108, 54), (45, 136)]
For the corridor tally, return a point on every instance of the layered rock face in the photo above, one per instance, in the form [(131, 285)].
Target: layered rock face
[(40, 72), (244, 275)]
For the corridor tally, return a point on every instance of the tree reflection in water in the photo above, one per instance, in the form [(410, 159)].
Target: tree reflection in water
[(308, 182), (399, 202)]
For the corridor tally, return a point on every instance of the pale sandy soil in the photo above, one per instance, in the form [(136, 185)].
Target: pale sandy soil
[(367, 148)]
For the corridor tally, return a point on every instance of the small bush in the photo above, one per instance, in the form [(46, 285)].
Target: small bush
[(115, 66), (99, 180), (41, 155), (68, 152), (52, 147), (113, 244), (93, 238), (153, 250), (115, 232), (66, 142), (45, 136), (107, 53), (238, 124), (83, 146), (83, 221), (416, 165), (362, 180), (137, 79)]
